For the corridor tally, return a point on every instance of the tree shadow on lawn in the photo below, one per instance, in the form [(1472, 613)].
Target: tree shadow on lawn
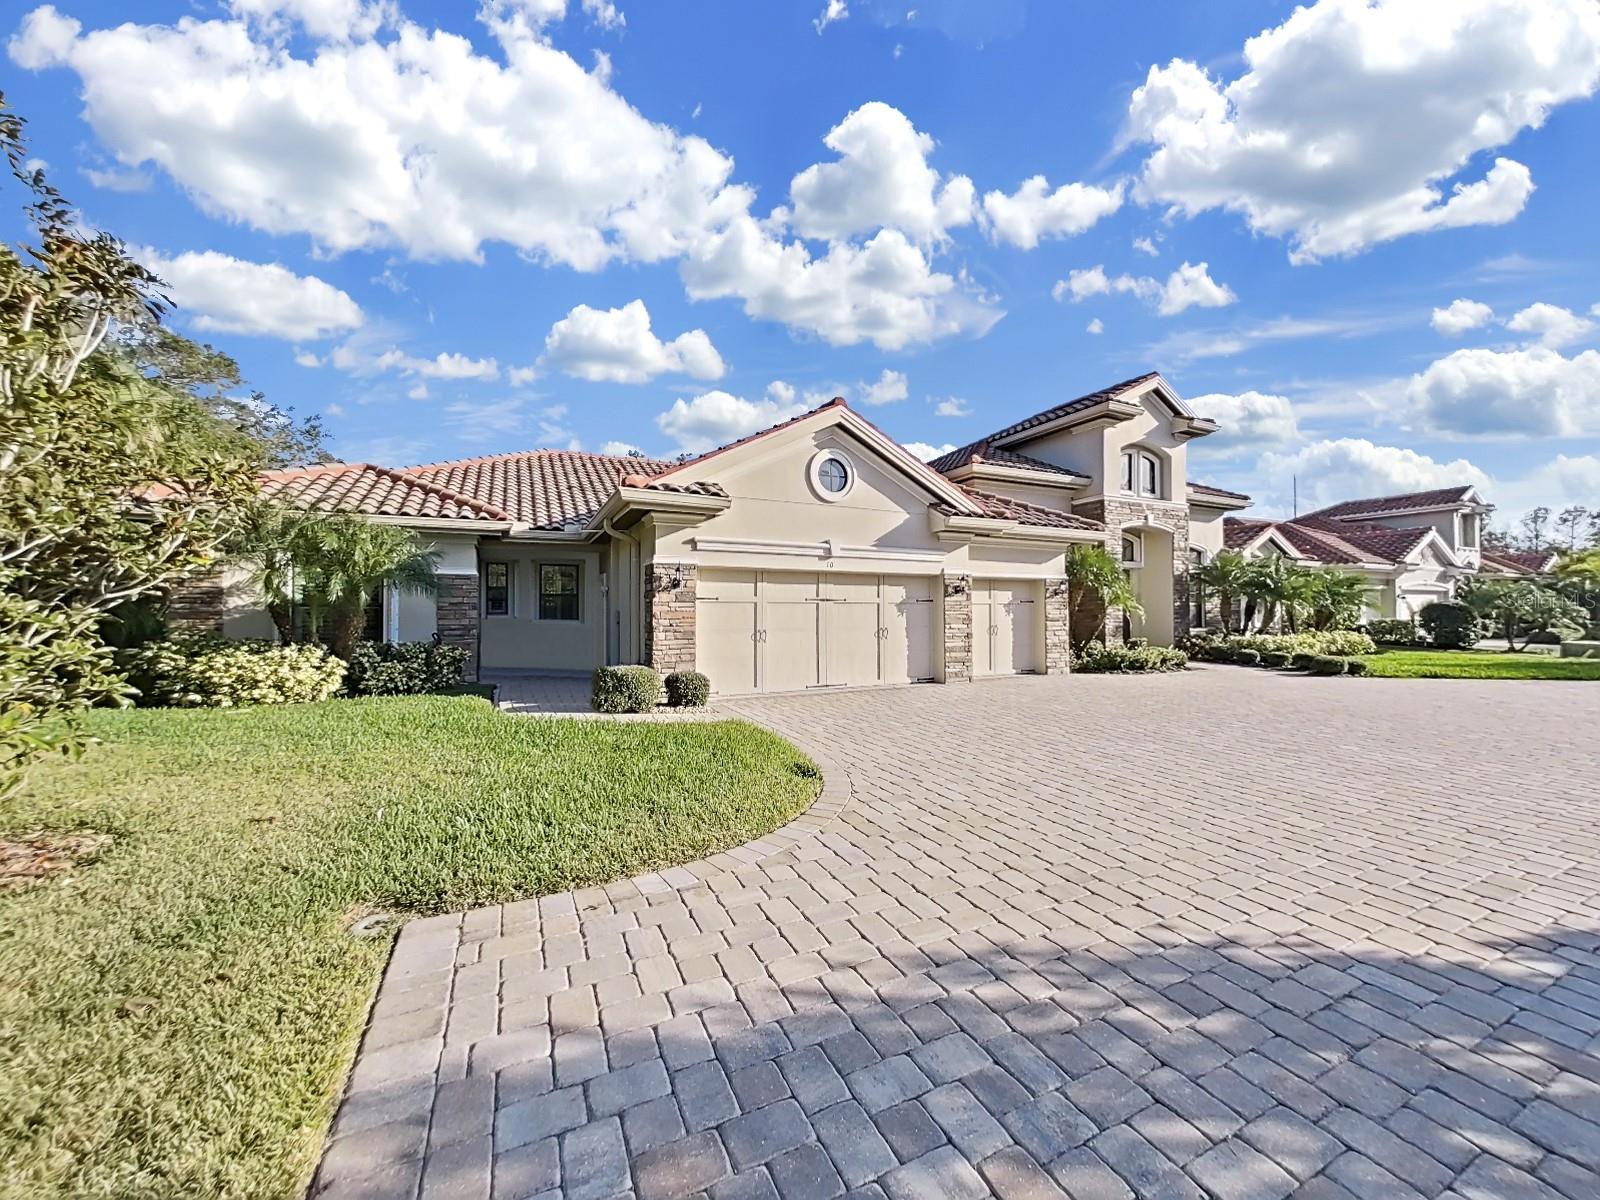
[(1164, 1063)]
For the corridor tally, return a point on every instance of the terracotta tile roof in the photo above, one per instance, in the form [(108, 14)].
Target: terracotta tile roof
[(545, 489), (1207, 489), (1072, 406), (1404, 502), (375, 491), (1239, 532), (1327, 541), (836, 402), (982, 451), (1006, 509), (1520, 562)]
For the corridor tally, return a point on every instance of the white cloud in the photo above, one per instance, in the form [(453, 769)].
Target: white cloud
[(1190, 286), (881, 178), (320, 18), (952, 406), (521, 376), (886, 389), (305, 358), (117, 181), (617, 345), (1347, 468), (419, 392), (620, 449), (333, 410), (1096, 326), (717, 417), (835, 10), (1461, 315), (1534, 392), (1145, 246), (1034, 212), (1246, 419), (1353, 120), (1551, 324), (927, 452), (357, 356), (229, 295)]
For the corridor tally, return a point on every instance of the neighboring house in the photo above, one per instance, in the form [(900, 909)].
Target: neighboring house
[(1413, 548), (816, 553), (1519, 562)]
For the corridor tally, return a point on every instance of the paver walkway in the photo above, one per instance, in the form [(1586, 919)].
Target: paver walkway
[(1224, 933)]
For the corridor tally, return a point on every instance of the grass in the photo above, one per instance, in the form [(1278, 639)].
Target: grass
[(1477, 664), (243, 842)]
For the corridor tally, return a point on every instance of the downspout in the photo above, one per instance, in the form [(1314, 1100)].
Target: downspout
[(636, 586)]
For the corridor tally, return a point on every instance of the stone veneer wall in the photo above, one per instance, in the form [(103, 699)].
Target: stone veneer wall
[(1057, 627), (957, 628), (457, 608), (196, 603), (669, 603), (1116, 512)]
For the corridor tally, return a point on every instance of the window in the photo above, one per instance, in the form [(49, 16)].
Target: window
[(1469, 530), (833, 475), (497, 589), (1197, 590), (1132, 551), (1141, 473), (558, 592)]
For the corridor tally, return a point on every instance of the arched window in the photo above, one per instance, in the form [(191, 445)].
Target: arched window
[(1132, 550), (1141, 473)]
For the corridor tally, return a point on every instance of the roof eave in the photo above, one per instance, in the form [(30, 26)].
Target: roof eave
[(1006, 473), (1109, 412), (642, 500), (953, 527)]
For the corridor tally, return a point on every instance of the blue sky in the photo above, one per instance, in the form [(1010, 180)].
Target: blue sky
[(1361, 235)]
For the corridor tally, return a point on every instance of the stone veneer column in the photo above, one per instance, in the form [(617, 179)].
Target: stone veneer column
[(669, 628), (957, 628), (1118, 512), (196, 603), (1057, 627), (456, 607)]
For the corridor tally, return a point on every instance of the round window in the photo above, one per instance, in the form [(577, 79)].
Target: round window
[(833, 475)]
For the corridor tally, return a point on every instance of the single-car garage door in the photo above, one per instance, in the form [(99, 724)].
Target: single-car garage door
[(784, 631), (1006, 623)]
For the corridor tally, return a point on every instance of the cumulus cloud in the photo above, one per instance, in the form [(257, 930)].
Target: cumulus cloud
[(621, 449), (928, 452), (1096, 326), (1034, 212), (617, 345), (886, 389), (952, 406), (1551, 325), (1345, 468), (230, 295), (1461, 315), (1305, 143), (1145, 246), (1190, 286), (881, 178), (357, 356), (1536, 392), (714, 418), (1249, 419), (834, 10)]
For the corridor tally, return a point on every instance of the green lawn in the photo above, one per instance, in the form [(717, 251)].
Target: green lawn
[(243, 843), (1477, 664)]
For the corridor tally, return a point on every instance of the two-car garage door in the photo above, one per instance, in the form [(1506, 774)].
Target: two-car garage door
[(783, 631)]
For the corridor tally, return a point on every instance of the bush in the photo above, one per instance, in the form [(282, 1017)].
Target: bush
[(1247, 658), (1394, 633), (404, 668), (1328, 664), (1116, 659), (1275, 659), (1330, 641), (1301, 662), (688, 689), (1197, 641), (192, 670), (1544, 637), (1356, 666), (625, 690), (1450, 624)]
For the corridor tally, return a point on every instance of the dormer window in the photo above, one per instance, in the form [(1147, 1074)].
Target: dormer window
[(1141, 473), (1469, 530)]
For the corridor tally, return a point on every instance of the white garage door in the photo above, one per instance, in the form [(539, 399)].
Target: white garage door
[(1005, 627), (784, 631)]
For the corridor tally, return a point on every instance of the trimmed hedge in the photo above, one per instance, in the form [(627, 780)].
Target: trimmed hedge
[(1247, 658), (1328, 664), (688, 689), (1331, 641), (1451, 625), (1275, 659), (1302, 661), (1394, 633), (404, 668), (1356, 666), (193, 669), (625, 690), (1117, 659)]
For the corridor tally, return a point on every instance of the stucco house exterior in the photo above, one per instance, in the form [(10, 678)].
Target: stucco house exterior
[(817, 553), (1413, 548)]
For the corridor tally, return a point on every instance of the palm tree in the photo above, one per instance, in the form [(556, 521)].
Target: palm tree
[(1096, 584), (272, 539), (1227, 575), (350, 561), (1336, 598), (1259, 587)]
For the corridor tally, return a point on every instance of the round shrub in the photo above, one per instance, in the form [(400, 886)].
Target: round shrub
[(1301, 661), (1328, 664), (403, 668), (199, 670), (688, 689), (1450, 624), (1275, 659), (1544, 637), (1247, 658), (1394, 633), (1356, 666), (625, 690)]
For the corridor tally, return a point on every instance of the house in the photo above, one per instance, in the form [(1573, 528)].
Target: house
[(1412, 548), (1527, 563), (817, 553)]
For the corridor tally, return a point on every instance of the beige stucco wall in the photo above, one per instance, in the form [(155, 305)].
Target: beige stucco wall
[(1098, 452), (242, 613), (1205, 528), (521, 641)]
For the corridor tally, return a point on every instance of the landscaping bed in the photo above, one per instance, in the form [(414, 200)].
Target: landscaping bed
[(1399, 663), (180, 1008)]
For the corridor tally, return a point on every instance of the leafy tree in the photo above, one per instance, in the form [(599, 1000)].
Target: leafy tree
[(112, 484), (1335, 597), (1578, 579), (1534, 523), (1096, 585), (1519, 608), (1569, 524), (1226, 574)]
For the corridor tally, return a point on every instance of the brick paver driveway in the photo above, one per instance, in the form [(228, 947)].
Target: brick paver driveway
[(1224, 934)]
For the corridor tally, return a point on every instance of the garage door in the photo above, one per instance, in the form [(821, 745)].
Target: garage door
[(785, 631), (1005, 627)]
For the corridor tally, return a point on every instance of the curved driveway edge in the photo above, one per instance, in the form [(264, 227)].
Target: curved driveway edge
[(1213, 935)]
